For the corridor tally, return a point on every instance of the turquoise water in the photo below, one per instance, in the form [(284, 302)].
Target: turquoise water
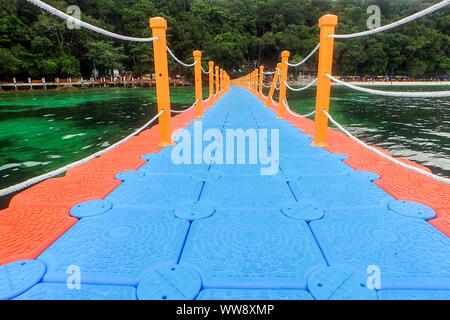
[(42, 131)]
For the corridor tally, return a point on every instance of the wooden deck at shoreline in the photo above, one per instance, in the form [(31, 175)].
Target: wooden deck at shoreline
[(103, 83)]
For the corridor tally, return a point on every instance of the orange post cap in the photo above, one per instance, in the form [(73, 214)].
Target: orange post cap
[(158, 22), (328, 20), (285, 54)]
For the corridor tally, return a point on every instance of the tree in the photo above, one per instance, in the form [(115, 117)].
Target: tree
[(232, 33), (107, 57)]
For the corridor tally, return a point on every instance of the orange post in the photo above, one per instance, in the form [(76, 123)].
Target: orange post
[(327, 24), (224, 77), (261, 78), (159, 27), (272, 87), (217, 82), (211, 83), (253, 81), (198, 82), (221, 81), (283, 78)]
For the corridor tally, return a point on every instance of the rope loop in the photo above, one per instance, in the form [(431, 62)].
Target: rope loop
[(302, 88), (179, 61), (304, 60), (182, 111), (296, 114), (203, 70)]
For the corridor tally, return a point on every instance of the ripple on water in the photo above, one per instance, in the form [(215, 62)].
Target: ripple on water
[(70, 136)]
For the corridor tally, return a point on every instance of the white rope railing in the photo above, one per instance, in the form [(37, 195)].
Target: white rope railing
[(276, 87), (430, 94), (203, 70), (181, 111), (178, 60), (304, 60), (269, 73), (413, 17), (86, 25), (294, 113), (302, 88), (267, 86), (45, 176), (404, 165)]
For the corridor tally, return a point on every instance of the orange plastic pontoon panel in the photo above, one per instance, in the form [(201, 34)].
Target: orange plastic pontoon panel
[(25, 232), (66, 192), (404, 184), (107, 166)]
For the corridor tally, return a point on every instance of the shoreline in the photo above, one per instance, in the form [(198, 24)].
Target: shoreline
[(24, 89), (299, 83)]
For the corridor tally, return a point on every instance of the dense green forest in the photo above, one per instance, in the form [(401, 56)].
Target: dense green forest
[(237, 34)]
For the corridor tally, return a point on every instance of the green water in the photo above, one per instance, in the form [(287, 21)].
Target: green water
[(42, 131)]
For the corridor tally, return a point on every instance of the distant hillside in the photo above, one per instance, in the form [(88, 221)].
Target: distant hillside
[(236, 34)]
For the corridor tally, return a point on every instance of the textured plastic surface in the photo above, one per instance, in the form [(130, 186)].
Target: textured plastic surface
[(399, 182), (194, 210), (25, 232), (60, 291), (412, 209), (66, 192), (155, 192), (127, 175), (116, 247), (340, 192), (303, 210), (242, 241), (253, 294), (410, 253), (251, 249), (371, 176), (173, 282), (106, 167), (19, 276), (252, 192), (90, 208), (337, 283)]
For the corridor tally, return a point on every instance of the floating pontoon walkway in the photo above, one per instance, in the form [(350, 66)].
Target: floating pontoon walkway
[(318, 229)]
